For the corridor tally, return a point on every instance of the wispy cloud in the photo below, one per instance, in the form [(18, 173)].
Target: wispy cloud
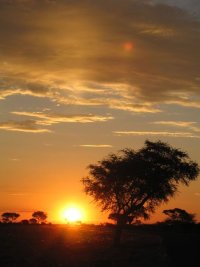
[(44, 119), (97, 146), (4, 93), (169, 134), (18, 194), (27, 126), (51, 118), (156, 30), (183, 124), (15, 159)]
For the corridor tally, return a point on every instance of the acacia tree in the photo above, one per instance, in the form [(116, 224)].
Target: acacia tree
[(9, 217), (178, 216), (133, 183), (40, 216)]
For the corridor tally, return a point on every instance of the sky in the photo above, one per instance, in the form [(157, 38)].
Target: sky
[(80, 79)]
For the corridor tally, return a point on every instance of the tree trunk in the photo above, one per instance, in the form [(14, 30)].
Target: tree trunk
[(117, 235), (118, 230)]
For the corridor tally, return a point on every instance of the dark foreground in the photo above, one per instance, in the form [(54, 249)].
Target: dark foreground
[(91, 246)]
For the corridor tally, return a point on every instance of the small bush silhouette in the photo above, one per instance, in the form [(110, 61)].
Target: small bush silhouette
[(40, 216), (24, 221), (177, 216), (9, 217), (32, 221)]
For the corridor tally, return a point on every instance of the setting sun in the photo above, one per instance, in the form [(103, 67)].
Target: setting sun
[(72, 214)]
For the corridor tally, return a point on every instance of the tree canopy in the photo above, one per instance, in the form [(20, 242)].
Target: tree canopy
[(40, 216), (178, 216), (9, 217), (132, 183)]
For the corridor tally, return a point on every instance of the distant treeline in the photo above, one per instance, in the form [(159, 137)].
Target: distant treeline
[(38, 217), (175, 216)]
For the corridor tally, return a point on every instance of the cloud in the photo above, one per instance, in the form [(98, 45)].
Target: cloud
[(191, 6), (169, 134), (44, 119), (76, 54), (27, 126), (15, 159), (96, 146), (183, 124), (51, 118), (13, 86), (18, 194)]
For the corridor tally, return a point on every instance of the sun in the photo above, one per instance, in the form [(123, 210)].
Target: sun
[(72, 215)]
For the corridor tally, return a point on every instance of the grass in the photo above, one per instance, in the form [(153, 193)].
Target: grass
[(82, 246)]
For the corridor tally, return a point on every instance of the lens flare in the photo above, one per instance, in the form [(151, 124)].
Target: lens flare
[(128, 46)]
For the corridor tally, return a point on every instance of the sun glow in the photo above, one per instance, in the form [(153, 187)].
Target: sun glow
[(72, 215)]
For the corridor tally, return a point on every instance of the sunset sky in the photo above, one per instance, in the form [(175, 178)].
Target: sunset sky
[(80, 79)]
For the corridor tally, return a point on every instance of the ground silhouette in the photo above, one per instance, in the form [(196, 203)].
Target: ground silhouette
[(91, 246)]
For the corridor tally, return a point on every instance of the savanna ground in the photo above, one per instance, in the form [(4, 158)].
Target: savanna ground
[(91, 246)]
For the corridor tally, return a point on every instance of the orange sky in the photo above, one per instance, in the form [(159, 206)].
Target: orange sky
[(81, 79)]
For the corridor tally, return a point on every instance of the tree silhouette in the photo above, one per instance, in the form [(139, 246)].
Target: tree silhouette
[(129, 219), (32, 221), (25, 221), (40, 216), (116, 217), (9, 217), (133, 183), (177, 216)]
